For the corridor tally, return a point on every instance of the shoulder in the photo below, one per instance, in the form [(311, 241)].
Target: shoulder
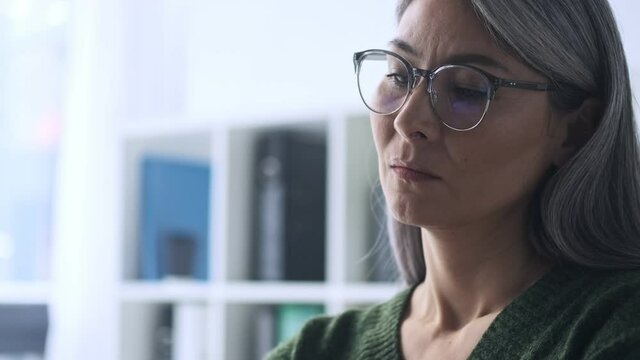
[(596, 295), (589, 288), (612, 289), (610, 314), (349, 333)]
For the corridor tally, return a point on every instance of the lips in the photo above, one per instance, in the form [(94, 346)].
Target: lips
[(411, 172)]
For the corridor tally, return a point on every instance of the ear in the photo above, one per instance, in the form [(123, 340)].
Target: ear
[(579, 126)]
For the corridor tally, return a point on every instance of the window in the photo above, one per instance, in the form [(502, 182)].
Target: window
[(32, 86)]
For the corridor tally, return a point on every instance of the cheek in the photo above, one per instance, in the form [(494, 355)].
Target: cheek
[(401, 203), (495, 167), (502, 170)]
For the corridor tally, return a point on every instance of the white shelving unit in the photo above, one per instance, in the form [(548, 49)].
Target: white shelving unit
[(230, 298), (24, 293)]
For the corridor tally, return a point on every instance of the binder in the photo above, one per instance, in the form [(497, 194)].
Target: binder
[(265, 330), (163, 333), (290, 197), (174, 218)]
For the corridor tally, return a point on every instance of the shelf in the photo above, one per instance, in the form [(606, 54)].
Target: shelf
[(254, 292), (24, 293), (170, 126), (233, 301), (370, 293), (275, 292), (145, 128), (164, 291)]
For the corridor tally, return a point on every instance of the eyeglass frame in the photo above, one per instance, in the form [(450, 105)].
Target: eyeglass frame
[(415, 73)]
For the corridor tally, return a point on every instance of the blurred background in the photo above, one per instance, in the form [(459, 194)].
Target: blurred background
[(148, 208)]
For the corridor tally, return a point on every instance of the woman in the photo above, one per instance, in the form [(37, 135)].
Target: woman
[(511, 173)]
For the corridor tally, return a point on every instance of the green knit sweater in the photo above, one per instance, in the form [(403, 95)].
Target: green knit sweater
[(572, 312)]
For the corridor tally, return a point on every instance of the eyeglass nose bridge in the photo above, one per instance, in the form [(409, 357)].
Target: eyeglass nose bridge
[(416, 76), (421, 73)]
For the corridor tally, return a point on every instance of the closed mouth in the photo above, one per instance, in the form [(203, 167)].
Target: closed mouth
[(412, 174)]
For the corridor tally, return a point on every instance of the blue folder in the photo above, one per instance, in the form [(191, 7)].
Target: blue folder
[(174, 218)]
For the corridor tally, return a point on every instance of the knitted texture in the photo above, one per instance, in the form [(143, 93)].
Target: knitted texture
[(572, 312)]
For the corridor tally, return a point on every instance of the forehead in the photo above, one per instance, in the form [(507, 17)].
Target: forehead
[(437, 28)]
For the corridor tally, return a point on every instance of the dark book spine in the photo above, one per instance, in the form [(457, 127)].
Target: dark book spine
[(270, 215), (265, 328), (306, 219), (289, 219)]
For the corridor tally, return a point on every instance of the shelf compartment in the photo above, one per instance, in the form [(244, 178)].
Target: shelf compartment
[(162, 331), (264, 326), (245, 223), (186, 157)]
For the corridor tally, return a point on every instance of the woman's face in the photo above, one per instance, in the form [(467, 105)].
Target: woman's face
[(476, 174)]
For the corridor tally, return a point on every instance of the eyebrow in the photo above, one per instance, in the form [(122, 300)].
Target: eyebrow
[(479, 59), (464, 58), (404, 46)]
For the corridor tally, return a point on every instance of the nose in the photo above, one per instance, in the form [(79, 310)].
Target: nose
[(416, 119)]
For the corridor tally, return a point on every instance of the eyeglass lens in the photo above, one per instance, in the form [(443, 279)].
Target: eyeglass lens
[(459, 95)]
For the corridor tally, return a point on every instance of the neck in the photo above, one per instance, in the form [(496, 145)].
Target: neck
[(475, 271)]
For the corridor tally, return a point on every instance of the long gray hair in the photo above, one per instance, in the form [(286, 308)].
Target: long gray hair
[(587, 211)]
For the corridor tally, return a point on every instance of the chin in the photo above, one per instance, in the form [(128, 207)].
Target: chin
[(406, 211), (411, 211)]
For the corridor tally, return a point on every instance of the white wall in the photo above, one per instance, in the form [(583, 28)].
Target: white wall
[(208, 59), (262, 50), (626, 12)]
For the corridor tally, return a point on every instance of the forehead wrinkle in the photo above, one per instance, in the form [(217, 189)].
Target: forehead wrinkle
[(438, 32), (426, 26)]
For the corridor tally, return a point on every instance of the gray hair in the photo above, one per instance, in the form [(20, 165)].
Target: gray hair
[(587, 211)]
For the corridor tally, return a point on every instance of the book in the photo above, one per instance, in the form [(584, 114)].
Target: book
[(277, 323), (290, 205), (291, 317), (162, 342), (174, 218), (265, 330)]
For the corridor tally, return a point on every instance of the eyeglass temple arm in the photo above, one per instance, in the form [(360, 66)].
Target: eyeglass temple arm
[(356, 59), (523, 85)]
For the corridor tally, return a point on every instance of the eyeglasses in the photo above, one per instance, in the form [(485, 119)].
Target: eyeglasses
[(460, 94)]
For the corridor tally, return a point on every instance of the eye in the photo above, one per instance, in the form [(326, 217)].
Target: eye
[(470, 93), (398, 79)]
